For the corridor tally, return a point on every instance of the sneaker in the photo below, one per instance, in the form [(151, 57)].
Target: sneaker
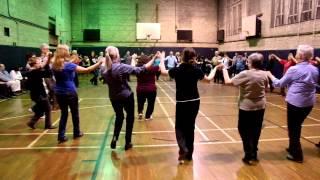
[(62, 140), (78, 135), (42, 117), (148, 119), (51, 127), (31, 125), (292, 158), (30, 110), (181, 158), (140, 116), (250, 162), (128, 146)]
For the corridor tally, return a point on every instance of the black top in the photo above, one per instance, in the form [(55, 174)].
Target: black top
[(35, 82), (186, 77)]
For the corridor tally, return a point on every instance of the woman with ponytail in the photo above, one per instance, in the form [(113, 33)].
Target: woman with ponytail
[(186, 76)]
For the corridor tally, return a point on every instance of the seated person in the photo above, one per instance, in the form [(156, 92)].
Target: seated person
[(5, 77)]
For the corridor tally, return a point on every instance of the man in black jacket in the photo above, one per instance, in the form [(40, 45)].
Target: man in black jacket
[(38, 92)]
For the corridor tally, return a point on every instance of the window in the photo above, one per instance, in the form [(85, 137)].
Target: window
[(234, 17), (293, 11), (279, 13), (306, 12), (6, 31), (318, 10)]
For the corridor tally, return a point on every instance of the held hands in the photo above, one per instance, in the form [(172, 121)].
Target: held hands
[(134, 56)]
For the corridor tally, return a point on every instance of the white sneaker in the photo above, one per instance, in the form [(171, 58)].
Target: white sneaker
[(140, 116), (42, 117), (148, 119), (30, 110)]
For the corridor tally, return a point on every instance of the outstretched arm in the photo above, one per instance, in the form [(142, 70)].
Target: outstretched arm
[(162, 65)]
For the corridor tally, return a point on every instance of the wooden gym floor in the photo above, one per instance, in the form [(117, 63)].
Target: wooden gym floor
[(35, 154)]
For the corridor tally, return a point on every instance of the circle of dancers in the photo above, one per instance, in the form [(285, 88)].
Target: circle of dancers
[(52, 79)]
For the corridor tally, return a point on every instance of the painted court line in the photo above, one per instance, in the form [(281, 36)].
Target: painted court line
[(196, 127), (149, 145), (206, 117), (165, 112), (46, 131)]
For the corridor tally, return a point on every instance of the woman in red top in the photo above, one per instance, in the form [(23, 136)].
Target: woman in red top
[(146, 88), (287, 63)]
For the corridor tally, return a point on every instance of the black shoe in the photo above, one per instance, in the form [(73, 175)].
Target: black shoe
[(62, 140), (113, 144), (31, 125), (51, 127), (250, 162), (295, 159), (128, 146), (317, 145), (78, 135)]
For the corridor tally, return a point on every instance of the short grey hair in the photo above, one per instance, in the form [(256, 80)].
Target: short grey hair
[(306, 52), (44, 45), (256, 60), (113, 53)]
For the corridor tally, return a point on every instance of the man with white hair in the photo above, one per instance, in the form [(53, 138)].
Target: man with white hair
[(301, 81), (6, 78)]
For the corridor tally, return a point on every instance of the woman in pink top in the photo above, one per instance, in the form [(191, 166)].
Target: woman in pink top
[(287, 63)]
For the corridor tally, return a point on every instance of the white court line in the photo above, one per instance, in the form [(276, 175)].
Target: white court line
[(87, 107), (278, 106), (149, 132), (165, 112), (196, 127), (149, 145), (206, 117)]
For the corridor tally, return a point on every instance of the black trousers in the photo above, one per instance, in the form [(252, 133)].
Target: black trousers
[(118, 107), (186, 113), (65, 101), (150, 97), (296, 116), (249, 127), (41, 107)]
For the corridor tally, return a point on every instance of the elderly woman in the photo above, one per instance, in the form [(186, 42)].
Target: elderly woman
[(252, 102), (120, 94), (66, 91), (5, 77), (301, 80)]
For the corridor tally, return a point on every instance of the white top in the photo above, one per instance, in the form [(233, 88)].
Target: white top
[(16, 75)]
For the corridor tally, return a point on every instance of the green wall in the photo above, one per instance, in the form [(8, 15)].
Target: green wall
[(31, 19)]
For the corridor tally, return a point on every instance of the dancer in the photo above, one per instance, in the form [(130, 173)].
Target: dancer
[(146, 88), (252, 102), (301, 80), (38, 92), (120, 94), (186, 77), (66, 91)]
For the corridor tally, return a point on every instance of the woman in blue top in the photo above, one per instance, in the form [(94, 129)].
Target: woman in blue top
[(301, 80), (66, 91)]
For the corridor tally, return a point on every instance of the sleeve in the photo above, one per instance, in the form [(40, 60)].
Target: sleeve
[(173, 72), (127, 69), (283, 61), (200, 74), (71, 66), (286, 79), (239, 79), (154, 69)]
